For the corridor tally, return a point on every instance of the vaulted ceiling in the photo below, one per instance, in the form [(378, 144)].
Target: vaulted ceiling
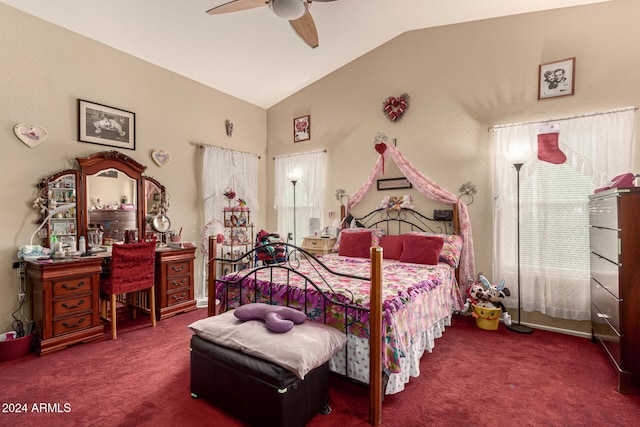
[(253, 54)]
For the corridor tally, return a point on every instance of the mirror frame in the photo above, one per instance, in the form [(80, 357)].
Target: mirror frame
[(111, 160), (163, 212)]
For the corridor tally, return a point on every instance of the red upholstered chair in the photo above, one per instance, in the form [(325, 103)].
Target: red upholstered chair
[(132, 269)]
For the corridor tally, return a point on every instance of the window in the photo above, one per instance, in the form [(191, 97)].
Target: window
[(309, 193), (554, 197)]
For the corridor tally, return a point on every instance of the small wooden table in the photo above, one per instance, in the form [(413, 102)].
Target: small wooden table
[(318, 245)]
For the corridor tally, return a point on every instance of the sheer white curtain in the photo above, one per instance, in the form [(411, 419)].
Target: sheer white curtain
[(223, 168), (309, 193), (554, 219)]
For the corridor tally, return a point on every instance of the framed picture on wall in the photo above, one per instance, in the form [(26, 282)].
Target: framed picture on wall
[(393, 184), (100, 124), (556, 78), (302, 128)]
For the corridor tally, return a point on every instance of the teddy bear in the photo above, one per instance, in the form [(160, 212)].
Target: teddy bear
[(276, 318), (385, 202), (406, 202)]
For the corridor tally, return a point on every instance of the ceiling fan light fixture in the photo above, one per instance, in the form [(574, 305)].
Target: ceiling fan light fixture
[(288, 9)]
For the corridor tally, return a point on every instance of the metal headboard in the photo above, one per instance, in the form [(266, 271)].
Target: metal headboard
[(394, 221)]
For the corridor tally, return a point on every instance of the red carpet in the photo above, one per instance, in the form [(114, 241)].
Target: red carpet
[(473, 377)]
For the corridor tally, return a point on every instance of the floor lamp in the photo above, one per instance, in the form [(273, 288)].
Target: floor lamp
[(294, 176), (517, 158), (294, 181)]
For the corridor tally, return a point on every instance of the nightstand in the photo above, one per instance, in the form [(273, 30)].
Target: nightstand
[(318, 245)]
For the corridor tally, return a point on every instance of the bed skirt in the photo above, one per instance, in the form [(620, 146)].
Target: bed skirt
[(358, 358)]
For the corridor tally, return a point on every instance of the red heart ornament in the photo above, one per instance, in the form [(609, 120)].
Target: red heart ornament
[(381, 147), (394, 107)]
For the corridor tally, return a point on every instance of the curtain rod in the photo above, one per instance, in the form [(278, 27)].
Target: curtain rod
[(225, 148), (562, 118), (306, 152)]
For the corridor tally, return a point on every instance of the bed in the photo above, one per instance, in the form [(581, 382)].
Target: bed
[(416, 296)]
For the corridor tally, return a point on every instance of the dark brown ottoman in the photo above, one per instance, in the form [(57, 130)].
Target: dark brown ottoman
[(254, 390), (261, 377)]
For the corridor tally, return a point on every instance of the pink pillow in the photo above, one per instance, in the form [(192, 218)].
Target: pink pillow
[(392, 246), (451, 249), (373, 232), (355, 245), (421, 249)]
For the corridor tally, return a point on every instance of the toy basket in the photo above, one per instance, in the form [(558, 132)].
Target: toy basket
[(487, 318), (15, 349)]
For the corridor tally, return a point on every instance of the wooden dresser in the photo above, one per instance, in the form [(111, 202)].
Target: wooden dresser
[(174, 281), (65, 295), (65, 302), (614, 217), (318, 245)]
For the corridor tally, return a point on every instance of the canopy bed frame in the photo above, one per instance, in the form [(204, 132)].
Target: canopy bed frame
[(320, 283)]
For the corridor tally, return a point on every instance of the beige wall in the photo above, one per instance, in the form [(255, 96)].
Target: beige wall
[(45, 69), (462, 79)]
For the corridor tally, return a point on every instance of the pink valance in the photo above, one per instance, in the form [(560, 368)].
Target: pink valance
[(433, 191)]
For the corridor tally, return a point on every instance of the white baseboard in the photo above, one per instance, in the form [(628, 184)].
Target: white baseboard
[(558, 330)]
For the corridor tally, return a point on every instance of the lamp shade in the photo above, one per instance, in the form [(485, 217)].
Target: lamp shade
[(288, 9), (518, 154), (294, 174)]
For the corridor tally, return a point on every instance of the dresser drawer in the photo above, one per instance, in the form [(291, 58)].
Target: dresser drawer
[(608, 305), (605, 242), (606, 273), (71, 286), (71, 324), (72, 305), (604, 212), (178, 297), (605, 333), (178, 268), (175, 283)]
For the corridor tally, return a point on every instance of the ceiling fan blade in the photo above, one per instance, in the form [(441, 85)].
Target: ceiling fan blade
[(236, 6), (306, 29)]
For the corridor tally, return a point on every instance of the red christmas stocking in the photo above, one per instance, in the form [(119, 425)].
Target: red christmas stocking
[(548, 150)]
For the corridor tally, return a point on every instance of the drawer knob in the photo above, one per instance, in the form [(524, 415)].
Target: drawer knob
[(72, 288), (73, 325), (177, 269), (178, 298), (67, 306), (177, 284)]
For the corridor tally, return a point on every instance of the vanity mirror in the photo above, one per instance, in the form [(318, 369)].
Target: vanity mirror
[(157, 205), (112, 183), (114, 202)]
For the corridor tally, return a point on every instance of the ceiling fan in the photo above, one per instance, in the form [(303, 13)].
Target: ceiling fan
[(295, 11)]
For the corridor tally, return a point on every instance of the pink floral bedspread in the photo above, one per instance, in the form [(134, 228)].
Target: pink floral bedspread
[(415, 297)]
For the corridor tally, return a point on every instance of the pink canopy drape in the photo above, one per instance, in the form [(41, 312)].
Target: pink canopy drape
[(433, 191)]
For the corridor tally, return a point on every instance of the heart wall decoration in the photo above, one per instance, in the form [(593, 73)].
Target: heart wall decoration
[(394, 107), (160, 157), (30, 135)]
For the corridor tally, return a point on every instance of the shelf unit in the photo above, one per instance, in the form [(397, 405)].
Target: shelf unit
[(55, 191), (238, 237)]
